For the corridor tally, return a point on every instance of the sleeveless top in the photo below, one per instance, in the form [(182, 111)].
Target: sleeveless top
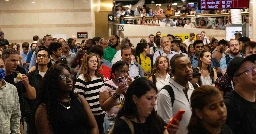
[(73, 120)]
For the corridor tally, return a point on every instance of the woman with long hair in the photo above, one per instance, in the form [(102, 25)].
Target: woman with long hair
[(205, 74), (59, 110), (191, 51), (137, 114), (89, 83), (142, 52), (160, 72), (209, 112), (112, 93)]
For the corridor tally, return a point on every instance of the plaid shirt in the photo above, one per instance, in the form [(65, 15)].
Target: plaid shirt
[(9, 109)]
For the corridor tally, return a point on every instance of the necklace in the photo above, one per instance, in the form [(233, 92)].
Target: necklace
[(68, 107)]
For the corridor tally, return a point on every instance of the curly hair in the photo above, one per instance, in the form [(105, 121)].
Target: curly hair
[(85, 67), (49, 92), (155, 66), (116, 66)]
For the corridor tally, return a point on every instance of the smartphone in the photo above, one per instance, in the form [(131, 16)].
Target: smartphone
[(121, 80), (177, 116)]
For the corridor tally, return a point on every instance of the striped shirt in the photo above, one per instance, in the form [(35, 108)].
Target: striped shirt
[(91, 90)]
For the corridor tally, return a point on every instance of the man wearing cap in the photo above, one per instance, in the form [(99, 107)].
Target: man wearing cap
[(237, 35), (190, 40), (241, 102), (169, 11), (3, 41)]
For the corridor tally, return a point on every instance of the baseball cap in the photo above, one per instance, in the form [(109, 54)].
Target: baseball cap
[(236, 62)]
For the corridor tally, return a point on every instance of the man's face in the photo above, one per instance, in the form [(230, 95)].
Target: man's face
[(165, 41), (2, 36), (25, 50), (11, 62), (158, 34), (1, 63), (126, 55), (234, 47), (192, 37), (168, 7), (33, 47), (104, 44), (249, 51), (183, 69), (245, 76), (199, 37), (65, 47), (42, 58), (113, 40), (48, 41), (151, 38), (198, 48), (88, 44), (58, 52), (174, 47)]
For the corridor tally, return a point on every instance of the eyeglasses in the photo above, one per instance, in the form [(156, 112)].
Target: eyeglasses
[(247, 71), (66, 77)]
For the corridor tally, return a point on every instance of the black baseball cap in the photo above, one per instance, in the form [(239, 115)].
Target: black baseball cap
[(236, 62)]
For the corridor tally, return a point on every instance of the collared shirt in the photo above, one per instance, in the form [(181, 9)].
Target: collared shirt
[(223, 61), (135, 70), (161, 52), (23, 56), (9, 109), (169, 22), (188, 42), (182, 101), (33, 60), (117, 57), (154, 49), (194, 61)]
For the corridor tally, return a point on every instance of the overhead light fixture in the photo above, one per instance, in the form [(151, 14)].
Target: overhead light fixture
[(175, 4), (6, 0), (33, 2)]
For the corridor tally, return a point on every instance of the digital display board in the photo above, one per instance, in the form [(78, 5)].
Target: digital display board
[(223, 4)]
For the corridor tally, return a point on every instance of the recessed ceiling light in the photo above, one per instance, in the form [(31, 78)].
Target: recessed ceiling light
[(33, 2), (6, 0)]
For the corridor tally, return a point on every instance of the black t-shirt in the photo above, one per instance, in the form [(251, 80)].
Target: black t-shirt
[(4, 42), (121, 127)]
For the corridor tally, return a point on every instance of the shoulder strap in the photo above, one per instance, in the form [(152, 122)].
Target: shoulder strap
[(227, 59), (170, 91), (154, 79), (129, 123)]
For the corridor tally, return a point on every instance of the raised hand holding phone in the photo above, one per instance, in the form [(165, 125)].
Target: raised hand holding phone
[(177, 117)]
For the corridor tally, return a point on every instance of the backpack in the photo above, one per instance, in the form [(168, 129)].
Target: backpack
[(129, 123), (170, 91)]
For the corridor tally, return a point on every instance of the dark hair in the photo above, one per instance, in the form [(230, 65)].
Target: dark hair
[(49, 93), (124, 47), (189, 53), (42, 48), (223, 42), (173, 59), (140, 48), (177, 42), (150, 35), (244, 39), (8, 52), (213, 40), (197, 42), (158, 41), (47, 35), (32, 44), (204, 22), (35, 38), (116, 66), (96, 38), (54, 46), (155, 68), (249, 44), (25, 45), (140, 87), (97, 50), (198, 100), (209, 68)]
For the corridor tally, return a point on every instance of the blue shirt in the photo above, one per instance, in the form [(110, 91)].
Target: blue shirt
[(33, 60), (223, 61), (29, 56), (23, 56)]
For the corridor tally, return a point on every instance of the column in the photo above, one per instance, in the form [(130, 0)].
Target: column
[(252, 20)]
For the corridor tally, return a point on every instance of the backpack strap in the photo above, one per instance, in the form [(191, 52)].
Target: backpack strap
[(170, 91), (227, 59), (154, 79), (128, 121)]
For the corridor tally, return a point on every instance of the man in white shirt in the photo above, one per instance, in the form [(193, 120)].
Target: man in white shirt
[(165, 49), (176, 47), (190, 40), (182, 90)]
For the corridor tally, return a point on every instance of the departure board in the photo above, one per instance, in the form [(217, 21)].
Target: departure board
[(223, 4)]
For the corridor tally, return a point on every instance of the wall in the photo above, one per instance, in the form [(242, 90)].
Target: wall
[(21, 19)]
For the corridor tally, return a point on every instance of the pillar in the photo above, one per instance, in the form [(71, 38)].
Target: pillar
[(252, 20)]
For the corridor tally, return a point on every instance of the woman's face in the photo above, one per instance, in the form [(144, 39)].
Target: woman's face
[(122, 72), (66, 81), (215, 113), (145, 104), (150, 10), (163, 63), (93, 63), (206, 59), (187, 22), (147, 49), (191, 49)]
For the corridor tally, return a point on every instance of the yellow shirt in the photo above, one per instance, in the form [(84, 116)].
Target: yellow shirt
[(169, 12), (145, 64)]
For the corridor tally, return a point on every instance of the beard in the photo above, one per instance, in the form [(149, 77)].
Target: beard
[(235, 52)]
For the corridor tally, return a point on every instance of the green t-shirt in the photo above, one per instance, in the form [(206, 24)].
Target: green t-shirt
[(109, 53)]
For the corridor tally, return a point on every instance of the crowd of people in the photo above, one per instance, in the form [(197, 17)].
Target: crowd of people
[(160, 16), (109, 86)]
